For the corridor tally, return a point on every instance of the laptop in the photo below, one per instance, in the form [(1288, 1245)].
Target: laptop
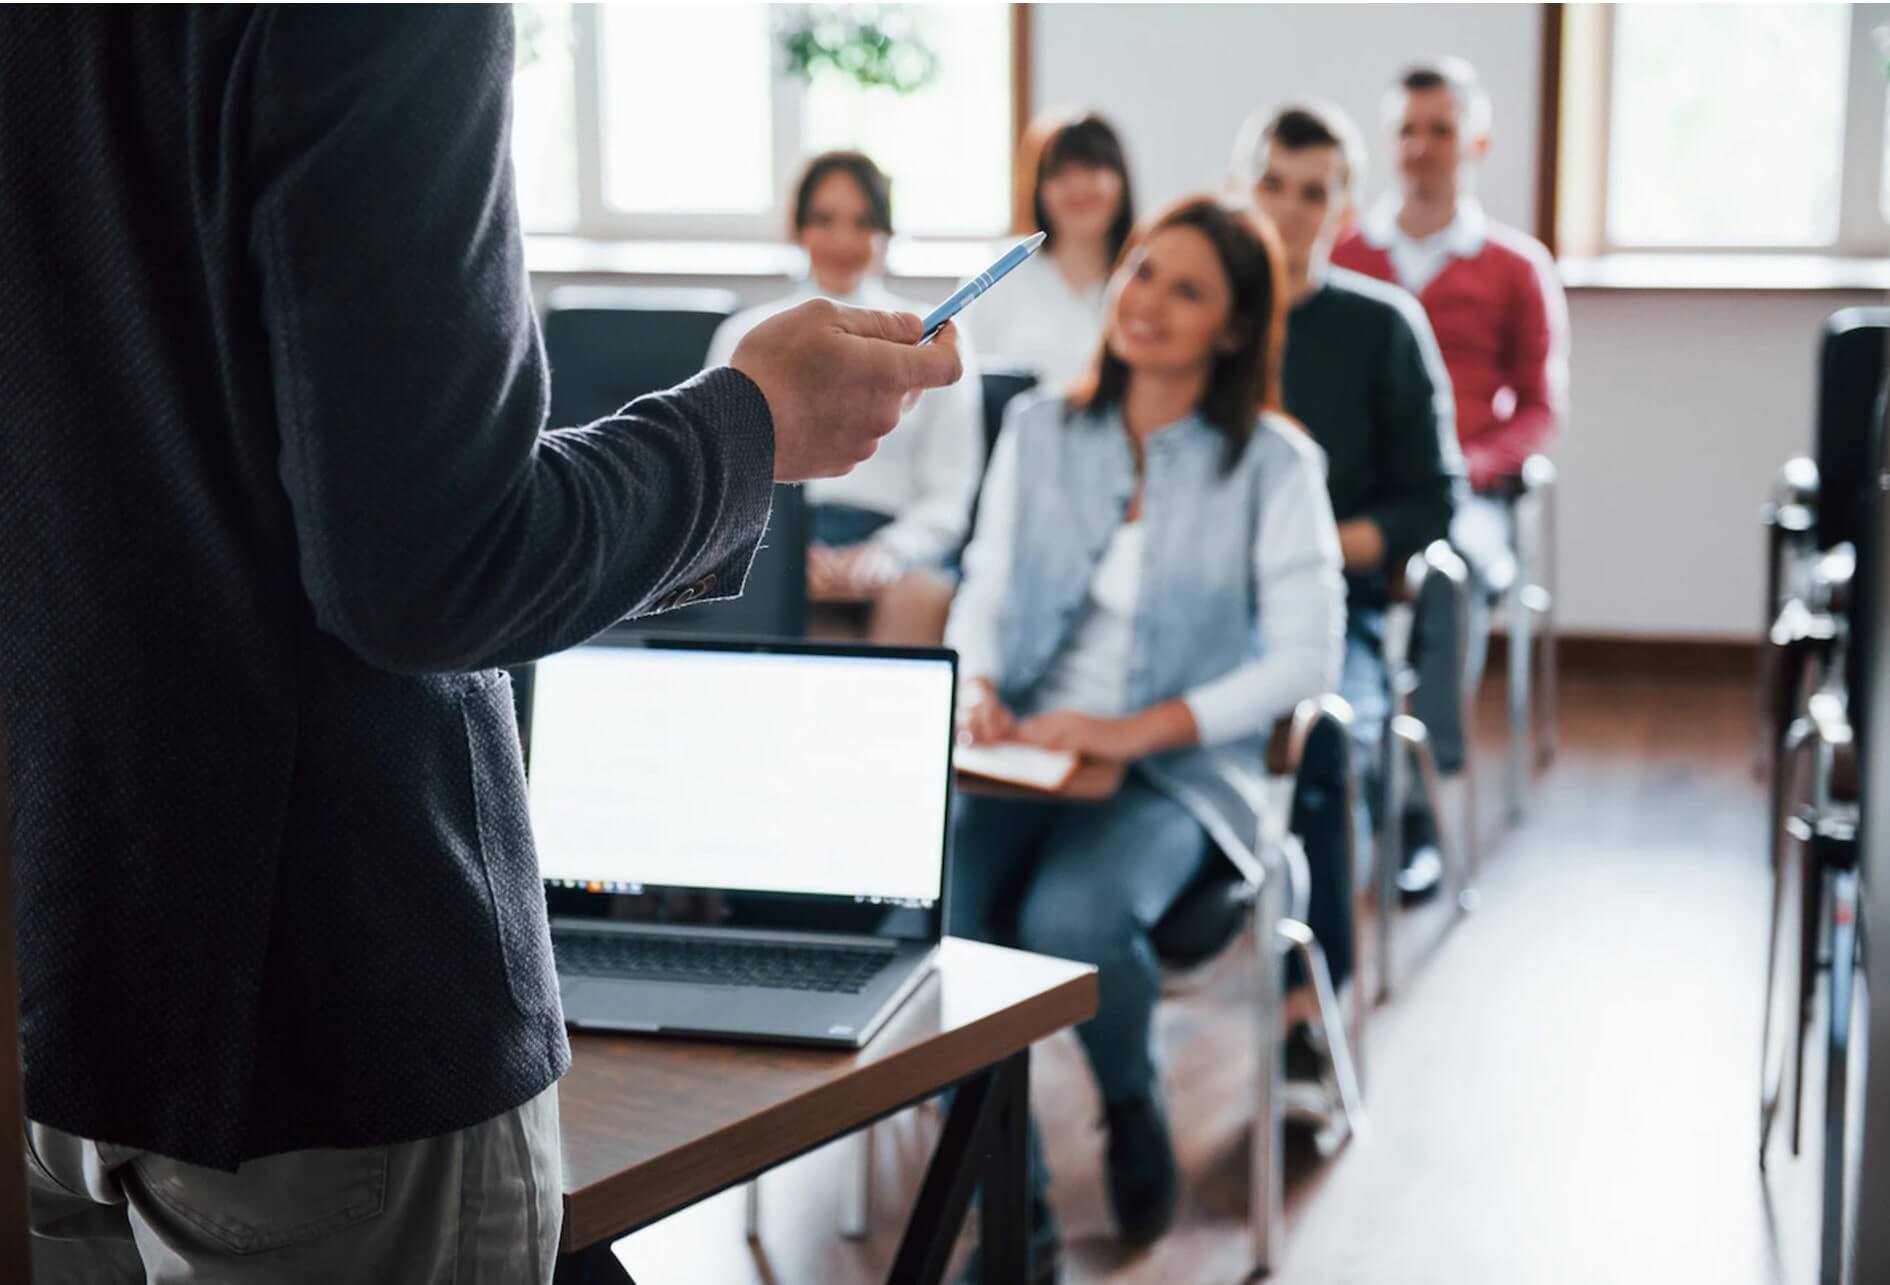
[(741, 838)]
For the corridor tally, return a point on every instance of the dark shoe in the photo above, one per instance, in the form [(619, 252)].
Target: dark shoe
[(1143, 1182), (1043, 1250), (1422, 875)]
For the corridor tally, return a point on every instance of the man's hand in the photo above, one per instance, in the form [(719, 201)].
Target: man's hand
[(850, 574), (837, 380)]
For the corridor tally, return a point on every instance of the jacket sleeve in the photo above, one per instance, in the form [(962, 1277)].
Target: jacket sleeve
[(1414, 425), (439, 525)]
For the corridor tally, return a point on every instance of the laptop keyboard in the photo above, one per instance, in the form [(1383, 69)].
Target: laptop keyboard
[(835, 969)]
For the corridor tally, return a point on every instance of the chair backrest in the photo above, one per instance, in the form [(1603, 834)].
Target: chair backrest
[(1863, 665), (14, 1254), (609, 345), (1000, 386), (1851, 363)]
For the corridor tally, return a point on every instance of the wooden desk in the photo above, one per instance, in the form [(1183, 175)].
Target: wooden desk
[(651, 1126), (1094, 782)]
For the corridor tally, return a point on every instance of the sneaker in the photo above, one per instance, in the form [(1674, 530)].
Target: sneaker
[(1423, 874), (1043, 1250), (1140, 1164)]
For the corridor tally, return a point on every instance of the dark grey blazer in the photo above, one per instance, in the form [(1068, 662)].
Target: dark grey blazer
[(275, 501)]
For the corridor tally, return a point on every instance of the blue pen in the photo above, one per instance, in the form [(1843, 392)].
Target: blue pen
[(978, 285)]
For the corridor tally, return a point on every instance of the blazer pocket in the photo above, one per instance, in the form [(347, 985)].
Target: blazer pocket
[(505, 842), (273, 1203)]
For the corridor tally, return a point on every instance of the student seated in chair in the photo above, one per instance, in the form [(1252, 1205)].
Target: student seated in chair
[(879, 535), (1072, 181), (1155, 579), (1499, 314), (1363, 374)]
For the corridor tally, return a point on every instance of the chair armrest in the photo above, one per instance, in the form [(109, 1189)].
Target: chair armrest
[(1538, 474), (1829, 714), (1793, 503)]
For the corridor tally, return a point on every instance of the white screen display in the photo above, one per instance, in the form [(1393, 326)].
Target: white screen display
[(745, 771)]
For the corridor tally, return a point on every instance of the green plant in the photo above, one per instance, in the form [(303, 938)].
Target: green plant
[(875, 46)]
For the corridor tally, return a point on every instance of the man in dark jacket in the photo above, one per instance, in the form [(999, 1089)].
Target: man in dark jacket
[(276, 499)]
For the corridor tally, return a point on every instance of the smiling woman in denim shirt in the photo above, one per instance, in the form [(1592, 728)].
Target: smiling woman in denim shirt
[(1154, 580)]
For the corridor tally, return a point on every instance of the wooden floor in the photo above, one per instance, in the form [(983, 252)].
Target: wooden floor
[(1565, 1092)]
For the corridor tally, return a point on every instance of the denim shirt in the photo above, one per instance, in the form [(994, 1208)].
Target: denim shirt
[(1200, 612)]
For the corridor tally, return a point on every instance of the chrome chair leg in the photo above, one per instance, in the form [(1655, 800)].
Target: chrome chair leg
[(856, 1184), (1388, 854), (1542, 579), (1267, 1177), (1520, 735), (1298, 938), (751, 1211), (1786, 759), (1417, 742), (1836, 1201)]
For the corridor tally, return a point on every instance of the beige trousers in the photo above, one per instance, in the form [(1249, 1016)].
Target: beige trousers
[(476, 1207)]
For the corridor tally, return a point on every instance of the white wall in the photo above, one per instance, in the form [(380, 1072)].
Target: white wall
[(1684, 402), (1178, 79)]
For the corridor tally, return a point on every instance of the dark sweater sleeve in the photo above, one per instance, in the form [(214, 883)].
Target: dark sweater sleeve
[(1419, 467), (440, 527)]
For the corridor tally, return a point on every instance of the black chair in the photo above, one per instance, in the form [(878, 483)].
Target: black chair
[(1308, 771), (1822, 583), (609, 345), (1308, 755), (1851, 360), (1000, 386)]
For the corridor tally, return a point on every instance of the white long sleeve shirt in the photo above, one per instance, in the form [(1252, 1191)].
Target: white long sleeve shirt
[(925, 472), (1035, 321)]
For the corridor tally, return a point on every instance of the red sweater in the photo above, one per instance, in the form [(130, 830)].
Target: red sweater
[(1502, 323)]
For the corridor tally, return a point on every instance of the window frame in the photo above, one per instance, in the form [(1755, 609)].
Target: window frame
[(1579, 64), (597, 220)]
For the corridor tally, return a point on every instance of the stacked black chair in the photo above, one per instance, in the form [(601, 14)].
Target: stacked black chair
[(1824, 566)]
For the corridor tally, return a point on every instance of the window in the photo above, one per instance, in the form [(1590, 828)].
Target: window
[(683, 121), (1735, 127)]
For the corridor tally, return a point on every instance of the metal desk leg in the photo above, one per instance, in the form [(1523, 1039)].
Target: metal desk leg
[(595, 1265), (984, 1141)]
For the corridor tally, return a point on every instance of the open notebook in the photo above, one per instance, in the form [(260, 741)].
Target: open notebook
[(1025, 765)]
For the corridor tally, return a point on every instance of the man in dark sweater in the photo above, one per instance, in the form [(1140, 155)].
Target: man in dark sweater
[(1363, 374), (276, 502)]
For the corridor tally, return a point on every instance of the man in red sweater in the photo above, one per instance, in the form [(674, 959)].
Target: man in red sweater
[(1490, 291)]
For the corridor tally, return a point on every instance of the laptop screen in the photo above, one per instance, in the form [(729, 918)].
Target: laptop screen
[(798, 771)]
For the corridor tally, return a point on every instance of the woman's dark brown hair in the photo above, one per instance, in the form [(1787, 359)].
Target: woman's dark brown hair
[(1245, 380), (1056, 139), (858, 166)]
